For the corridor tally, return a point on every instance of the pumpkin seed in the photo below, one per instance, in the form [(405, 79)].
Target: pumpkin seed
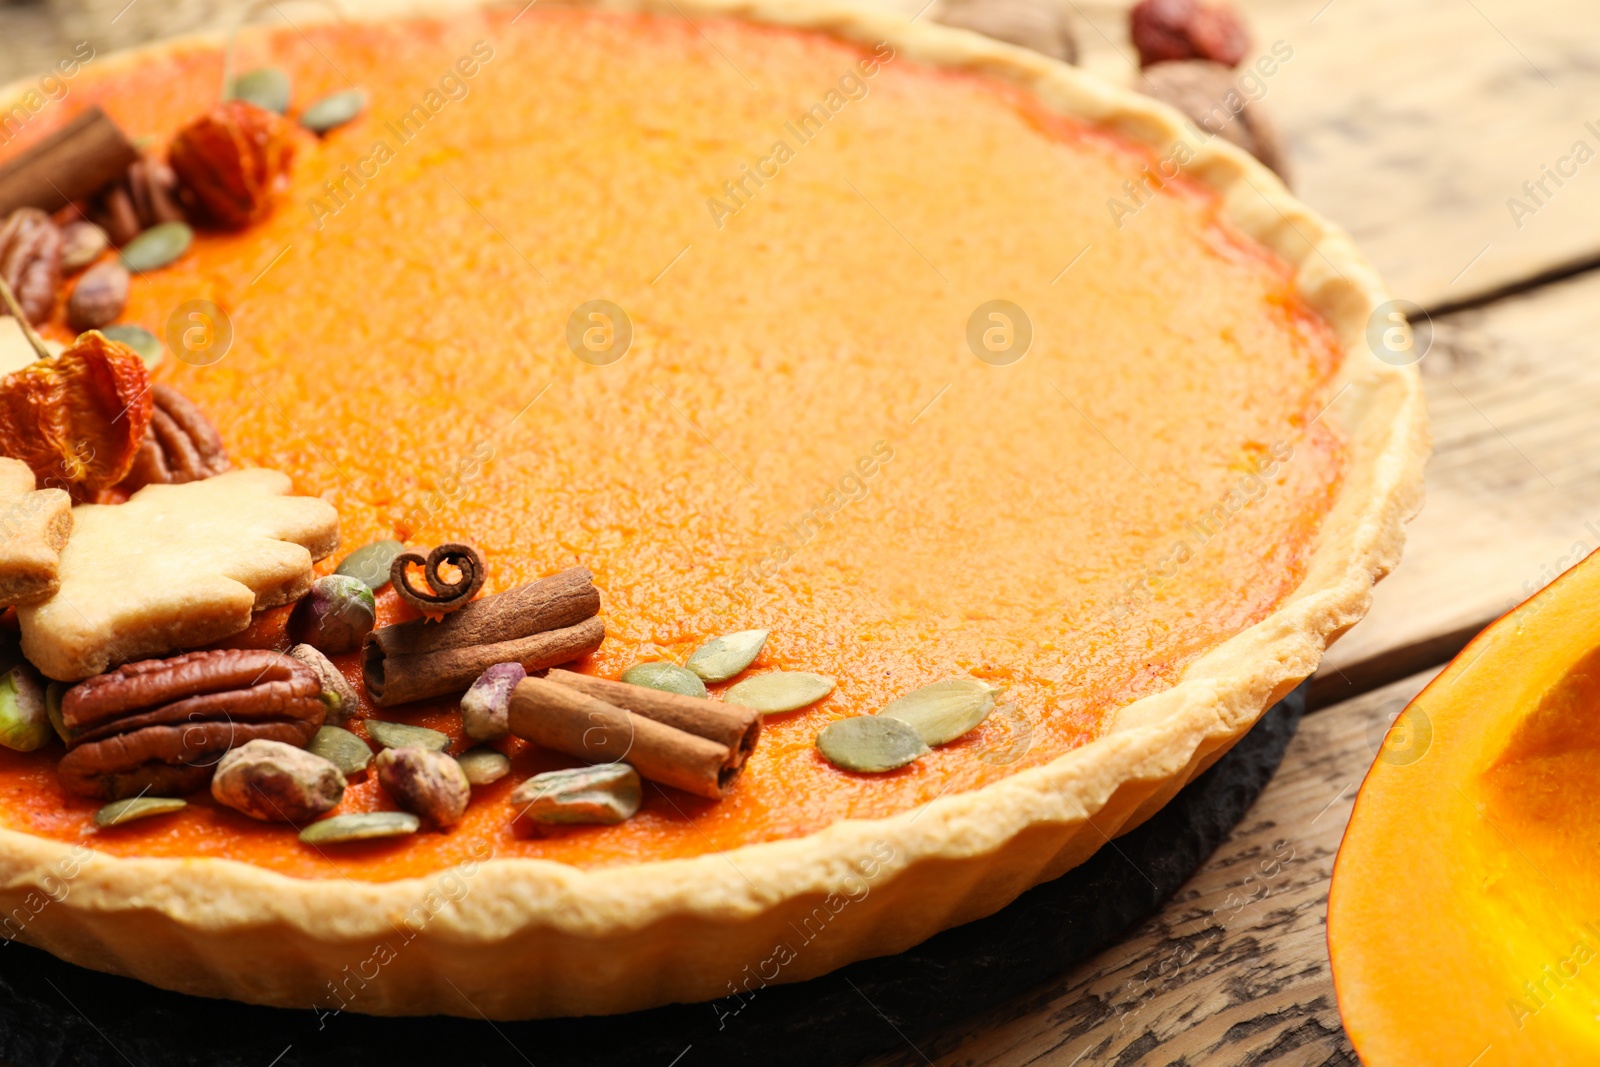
[(370, 563), (484, 765), (52, 707), (667, 677), (609, 793), (780, 691), (334, 111), (870, 743), (266, 87), (120, 811), (141, 340), (723, 657), (156, 247), (366, 826), (943, 711), (341, 748), (399, 735)]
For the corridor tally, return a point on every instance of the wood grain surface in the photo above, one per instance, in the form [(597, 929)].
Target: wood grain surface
[(1513, 487), (1234, 970), (1414, 123)]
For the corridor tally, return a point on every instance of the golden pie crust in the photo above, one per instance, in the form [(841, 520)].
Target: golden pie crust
[(520, 938)]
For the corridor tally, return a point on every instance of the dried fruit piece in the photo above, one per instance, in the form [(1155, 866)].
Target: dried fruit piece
[(943, 711), (232, 162), (780, 691), (275, 782), (484, 707), (77, 420), (426, 783), (607, 794), (484, 765), (399, 735), (1165, 30), (667, 677), (723, 657), (30, 261), (134, 808), (99, 297), (335, 616), (870, 743), (341, 748), (334, 111), (366, 826)]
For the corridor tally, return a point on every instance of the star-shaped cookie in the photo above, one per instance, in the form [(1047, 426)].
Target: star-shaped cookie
[(34, 524), (175, 567)]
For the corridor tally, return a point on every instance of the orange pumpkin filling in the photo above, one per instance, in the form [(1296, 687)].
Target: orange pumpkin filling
[(799, 435)]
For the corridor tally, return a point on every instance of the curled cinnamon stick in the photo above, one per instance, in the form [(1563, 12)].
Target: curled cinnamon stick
[(541, 624), (75, 161), (441, 596), (729, 725), (574, 723)]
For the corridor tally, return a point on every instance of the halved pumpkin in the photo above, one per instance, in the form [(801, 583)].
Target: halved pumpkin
[(1464, 920)]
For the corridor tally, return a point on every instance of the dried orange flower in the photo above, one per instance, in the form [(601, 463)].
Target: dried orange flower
[(77, 420), (232, 162)]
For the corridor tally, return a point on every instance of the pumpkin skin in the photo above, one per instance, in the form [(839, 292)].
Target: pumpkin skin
[(1464, 918)]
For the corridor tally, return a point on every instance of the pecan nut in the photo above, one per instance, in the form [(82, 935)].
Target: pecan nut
[(232, 162), (146, 195), (1165, 30), (1210, 96), (181, 444), (159, 727), (30, 261)]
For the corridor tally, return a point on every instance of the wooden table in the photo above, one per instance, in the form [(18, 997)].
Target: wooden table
[(1413, 125)]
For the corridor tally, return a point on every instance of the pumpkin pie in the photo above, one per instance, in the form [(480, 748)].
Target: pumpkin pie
[(932, 357)]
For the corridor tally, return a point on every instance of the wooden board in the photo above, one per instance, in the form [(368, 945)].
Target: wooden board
[(1234, 970), (1513, 487), (1413, 123)]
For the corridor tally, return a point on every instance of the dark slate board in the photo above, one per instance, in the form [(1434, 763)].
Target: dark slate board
[(52, 1013)]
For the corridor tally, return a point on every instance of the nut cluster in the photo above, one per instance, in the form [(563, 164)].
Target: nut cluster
[(159, 727)]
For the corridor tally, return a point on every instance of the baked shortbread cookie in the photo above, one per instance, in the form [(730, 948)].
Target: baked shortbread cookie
[(34, 525), (175, 567)]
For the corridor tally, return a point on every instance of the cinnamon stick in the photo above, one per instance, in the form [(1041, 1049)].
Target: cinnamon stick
[(728, 725), (560, 600), (574, 723), (538, 625), (70, 164), (401, 679)]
